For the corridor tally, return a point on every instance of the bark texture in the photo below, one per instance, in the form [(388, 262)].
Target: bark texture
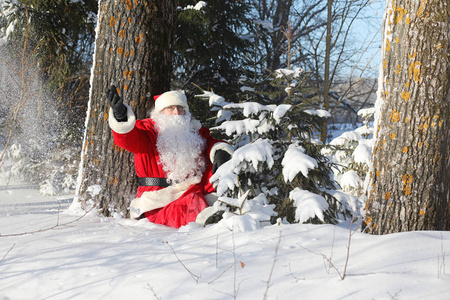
[(410, 180), (133, 51)]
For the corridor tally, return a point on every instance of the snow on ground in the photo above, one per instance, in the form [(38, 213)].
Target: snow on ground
[(108, 258)]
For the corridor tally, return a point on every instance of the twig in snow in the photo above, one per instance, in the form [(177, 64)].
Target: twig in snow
[(195, 277), (273, 266), (217, 251), (234, 265), (441, 263), (328, 259), (4, 256), (57, 226), (295, 277), (154, 294)]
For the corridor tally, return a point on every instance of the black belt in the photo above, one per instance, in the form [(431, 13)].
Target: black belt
[(154, 181)]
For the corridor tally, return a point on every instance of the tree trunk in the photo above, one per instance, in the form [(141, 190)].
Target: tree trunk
[(410, 187), (326, 77), (133, 50)]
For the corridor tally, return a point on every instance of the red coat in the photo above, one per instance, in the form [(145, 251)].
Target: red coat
[(139, 137)]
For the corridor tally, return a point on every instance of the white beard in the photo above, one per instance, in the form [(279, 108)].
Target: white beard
[(180, 146)]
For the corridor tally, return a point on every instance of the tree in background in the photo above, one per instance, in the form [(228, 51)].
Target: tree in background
[(322, 43), (409, 187), (332, 53), (208, 48), (48, 44), (62, 33), (133, 50)]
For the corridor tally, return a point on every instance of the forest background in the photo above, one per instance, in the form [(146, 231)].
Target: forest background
[(234, 49)]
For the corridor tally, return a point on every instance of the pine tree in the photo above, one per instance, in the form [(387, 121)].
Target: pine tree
[(278, 156), (351, 154)]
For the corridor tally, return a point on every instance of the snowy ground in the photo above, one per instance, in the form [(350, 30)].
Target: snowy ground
[(107, 258)]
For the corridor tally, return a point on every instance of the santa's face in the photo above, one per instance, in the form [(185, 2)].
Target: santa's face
[(180, 146)]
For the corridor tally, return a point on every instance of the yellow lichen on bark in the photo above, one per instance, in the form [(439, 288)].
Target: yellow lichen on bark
[(112, 22), (399, 13), (407, 178), (420, 11), (140, 38), (128, 74), (395, 116), (114, 181), (414, 71), (129, 4), (406, 95), (407, 190)]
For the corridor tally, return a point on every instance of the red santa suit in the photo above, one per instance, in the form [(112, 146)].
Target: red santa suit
[(181, 202)]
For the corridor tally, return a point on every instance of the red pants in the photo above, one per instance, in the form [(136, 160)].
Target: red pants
[(181, 211)]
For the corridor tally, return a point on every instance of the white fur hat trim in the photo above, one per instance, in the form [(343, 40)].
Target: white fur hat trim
[(169, 99)]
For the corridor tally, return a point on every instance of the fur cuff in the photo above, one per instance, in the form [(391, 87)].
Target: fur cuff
[(220, 146), (122, 127)]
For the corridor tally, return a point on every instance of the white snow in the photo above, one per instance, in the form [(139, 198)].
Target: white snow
[(197, 6), (309, 205), (349, 179), (318, 112), (296, 161), (295, 73), (363, 151), (108, 258), (280, 111)]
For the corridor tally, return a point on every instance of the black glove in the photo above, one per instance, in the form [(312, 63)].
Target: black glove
[(116, 102), (220, 157)]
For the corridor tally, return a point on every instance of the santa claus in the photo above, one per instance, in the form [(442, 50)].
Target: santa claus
[(174, 157)]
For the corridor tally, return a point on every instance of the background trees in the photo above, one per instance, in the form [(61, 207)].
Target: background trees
[(410, 177), (232, 48), (46, 52)]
